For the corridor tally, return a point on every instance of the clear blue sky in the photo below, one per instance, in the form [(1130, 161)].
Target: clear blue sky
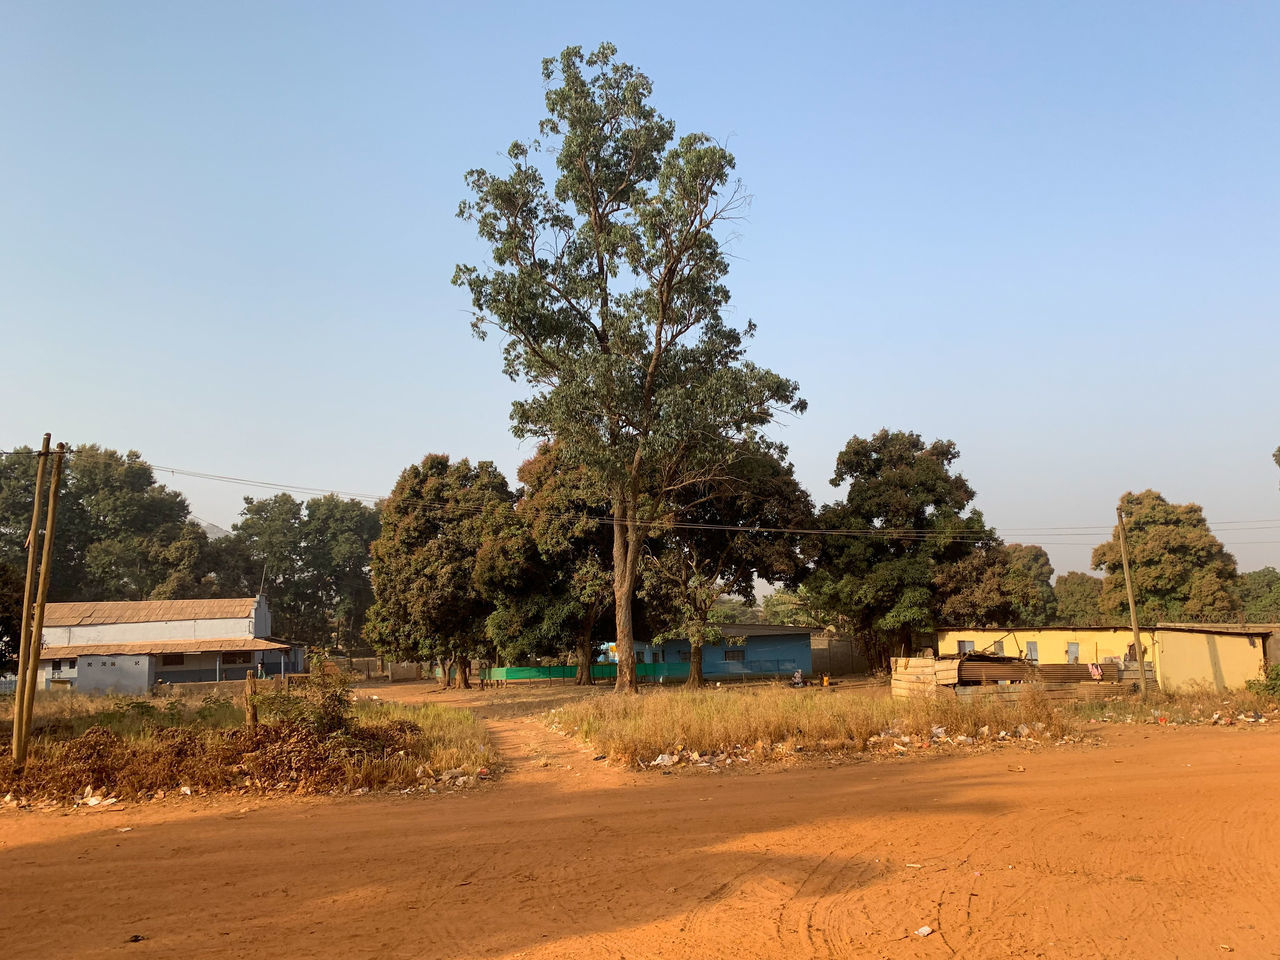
[(1050, 233)]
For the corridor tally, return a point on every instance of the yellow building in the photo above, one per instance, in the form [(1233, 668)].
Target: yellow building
[(1222, 657)]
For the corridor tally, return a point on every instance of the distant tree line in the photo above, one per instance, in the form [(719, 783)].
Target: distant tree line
[(122, 536)]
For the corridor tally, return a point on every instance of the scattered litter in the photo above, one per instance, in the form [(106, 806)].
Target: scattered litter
[(916, 865), (136, 938), (123, 829), (600, 757), (664, 760), (186, 791), (1017, 768), (924, 931)]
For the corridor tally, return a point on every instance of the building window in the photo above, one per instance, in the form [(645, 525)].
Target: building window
[(71, 664), (1033, 650), (998, 648), (639, 656), (964, 646), (684, 656), (57, 665), (238, 657), (172, 659), (735, 655)]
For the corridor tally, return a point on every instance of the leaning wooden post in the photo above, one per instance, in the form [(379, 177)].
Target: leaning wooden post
[(34, 641), (1133, 607), (28, 595), (250, 708)]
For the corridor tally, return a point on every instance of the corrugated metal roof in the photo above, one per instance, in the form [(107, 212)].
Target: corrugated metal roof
[(147, 647), (145, 611)]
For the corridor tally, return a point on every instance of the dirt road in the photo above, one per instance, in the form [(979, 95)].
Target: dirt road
[(1163, 843)]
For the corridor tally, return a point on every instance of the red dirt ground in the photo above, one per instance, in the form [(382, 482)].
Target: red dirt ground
[(1163, 843)]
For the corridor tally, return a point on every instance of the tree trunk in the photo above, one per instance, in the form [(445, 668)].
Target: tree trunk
[(624, 585), (585, 649), (695, 664), (445, 667), (464, 674)]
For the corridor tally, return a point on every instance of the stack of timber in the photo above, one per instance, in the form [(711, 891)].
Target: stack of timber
[(916, 676)]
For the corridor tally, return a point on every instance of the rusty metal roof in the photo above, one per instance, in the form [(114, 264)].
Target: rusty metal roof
[(148, 647), (146, 611)]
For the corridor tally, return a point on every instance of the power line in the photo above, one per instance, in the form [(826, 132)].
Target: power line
[(1060, 535), (1084, 532)]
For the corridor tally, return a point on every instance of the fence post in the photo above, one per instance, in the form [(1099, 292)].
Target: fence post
[(250, 708)]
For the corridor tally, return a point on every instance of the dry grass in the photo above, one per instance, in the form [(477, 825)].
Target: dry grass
[(713, 721), (135, 748), (1192, 704)]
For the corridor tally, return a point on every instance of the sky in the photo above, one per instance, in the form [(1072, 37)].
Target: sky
[(1049, 233)]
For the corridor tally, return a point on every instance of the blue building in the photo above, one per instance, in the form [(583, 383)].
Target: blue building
[(748, 649)]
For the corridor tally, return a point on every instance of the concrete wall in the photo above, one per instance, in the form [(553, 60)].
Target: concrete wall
[(1051, 643), (1181, 658), (110, 674), (838, 657), (1222, 660)]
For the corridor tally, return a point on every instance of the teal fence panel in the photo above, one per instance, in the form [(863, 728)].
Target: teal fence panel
[(647, 672)]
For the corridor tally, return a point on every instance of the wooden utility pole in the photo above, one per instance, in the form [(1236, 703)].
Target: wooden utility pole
[(28, 693), (1133, 607), (28, 596)]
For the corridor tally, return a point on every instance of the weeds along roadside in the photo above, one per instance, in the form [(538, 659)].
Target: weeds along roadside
[(311, 740), (711, 726)]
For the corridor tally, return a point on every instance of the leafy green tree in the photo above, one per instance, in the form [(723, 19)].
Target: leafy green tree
[(337, 535), (11, 587), (608, 287), (1181, 571), (435, 527), (1260, 595), (1031, 562), (904, 517), (547, 566), (120, 534), (1078, 597), (311, 560), (790, 608), (731, 530), (984, 589)]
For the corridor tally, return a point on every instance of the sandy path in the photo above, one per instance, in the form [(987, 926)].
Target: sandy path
[(1161, 844)]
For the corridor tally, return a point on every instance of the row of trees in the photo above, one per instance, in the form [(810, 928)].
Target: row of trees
[(466, 568), (123, 536), (606, 280)]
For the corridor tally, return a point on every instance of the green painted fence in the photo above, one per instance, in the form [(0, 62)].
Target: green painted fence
[(645, 672)]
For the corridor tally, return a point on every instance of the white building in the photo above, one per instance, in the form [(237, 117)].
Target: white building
[(128, 646)]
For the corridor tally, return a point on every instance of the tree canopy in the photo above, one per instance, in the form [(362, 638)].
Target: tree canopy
[(731, 530), (436, 527), (1260, 595), (120, 534), (1180, 570), (547, 571), (608, 287), (1041, 606), (1078, 597), (905, 519), (312, 561)]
